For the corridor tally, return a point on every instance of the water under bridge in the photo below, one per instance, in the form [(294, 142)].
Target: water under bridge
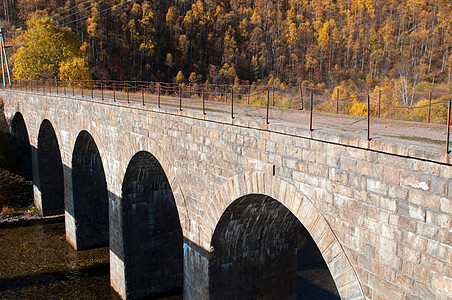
[(231, 208)]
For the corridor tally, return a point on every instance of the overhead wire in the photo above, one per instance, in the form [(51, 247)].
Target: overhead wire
[(86, 8), (60, 12), (76, 20)]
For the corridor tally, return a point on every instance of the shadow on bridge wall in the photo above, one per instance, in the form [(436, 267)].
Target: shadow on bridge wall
[(259, 248)]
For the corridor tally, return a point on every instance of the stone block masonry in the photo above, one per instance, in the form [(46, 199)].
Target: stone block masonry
[(379, 212)]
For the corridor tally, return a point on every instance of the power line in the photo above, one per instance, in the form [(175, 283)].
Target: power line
[(98, 13), (75, 6), (46, 26), (79, 11), (59, 13)]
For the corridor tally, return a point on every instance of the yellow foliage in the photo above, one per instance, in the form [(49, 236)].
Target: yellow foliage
[(180, 78), (438, 112), (324, 36), (358, 108), (74, 69), (44, 48)]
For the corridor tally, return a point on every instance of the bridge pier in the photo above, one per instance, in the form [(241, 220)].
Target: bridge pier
[(196, 271), (50, 180), (146, 242), (87, 206)]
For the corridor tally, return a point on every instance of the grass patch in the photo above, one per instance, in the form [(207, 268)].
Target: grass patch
[(417, 139)]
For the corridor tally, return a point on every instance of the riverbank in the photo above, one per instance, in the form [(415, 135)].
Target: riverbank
[(16, 192), (27, 219)]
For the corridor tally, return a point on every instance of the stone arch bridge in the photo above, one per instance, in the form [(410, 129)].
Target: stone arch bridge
[(236, 209)]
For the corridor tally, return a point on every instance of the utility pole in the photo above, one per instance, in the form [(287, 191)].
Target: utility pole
[(4, 59)]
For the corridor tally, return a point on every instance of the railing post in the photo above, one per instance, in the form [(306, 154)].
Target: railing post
[(64, 87), (180, 97), (56, 81), (50, 87), (114, 92), (142, 95), (429, 106), (249, 92), (311, 108), (102, 90), (301, 97), (92, 88), (127, 90), (158, 97), (81, 84), (44, 86), (73, 88), (203, 101), (368, 117), (232, 102), (448, 126), (337, 101), (268, 105), (379, 103)]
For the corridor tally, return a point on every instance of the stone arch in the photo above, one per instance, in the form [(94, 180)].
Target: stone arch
[(90, 196), (50, 166), (136, 144), (301, 207), (151, 231), (19, 129)]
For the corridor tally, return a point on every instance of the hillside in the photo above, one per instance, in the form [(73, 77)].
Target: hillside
[(360, 43)]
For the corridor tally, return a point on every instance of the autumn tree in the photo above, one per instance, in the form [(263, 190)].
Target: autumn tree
[(45, 51)]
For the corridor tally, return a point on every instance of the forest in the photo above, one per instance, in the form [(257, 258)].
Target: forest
[(357, 44)]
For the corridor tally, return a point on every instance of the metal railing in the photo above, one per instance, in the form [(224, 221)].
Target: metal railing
[(321, 103)]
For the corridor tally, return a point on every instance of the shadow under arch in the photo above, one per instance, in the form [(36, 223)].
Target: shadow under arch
[(90, 196), (20, 132), (272, 188), (50, 166), (262, 251), (151, 230)]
